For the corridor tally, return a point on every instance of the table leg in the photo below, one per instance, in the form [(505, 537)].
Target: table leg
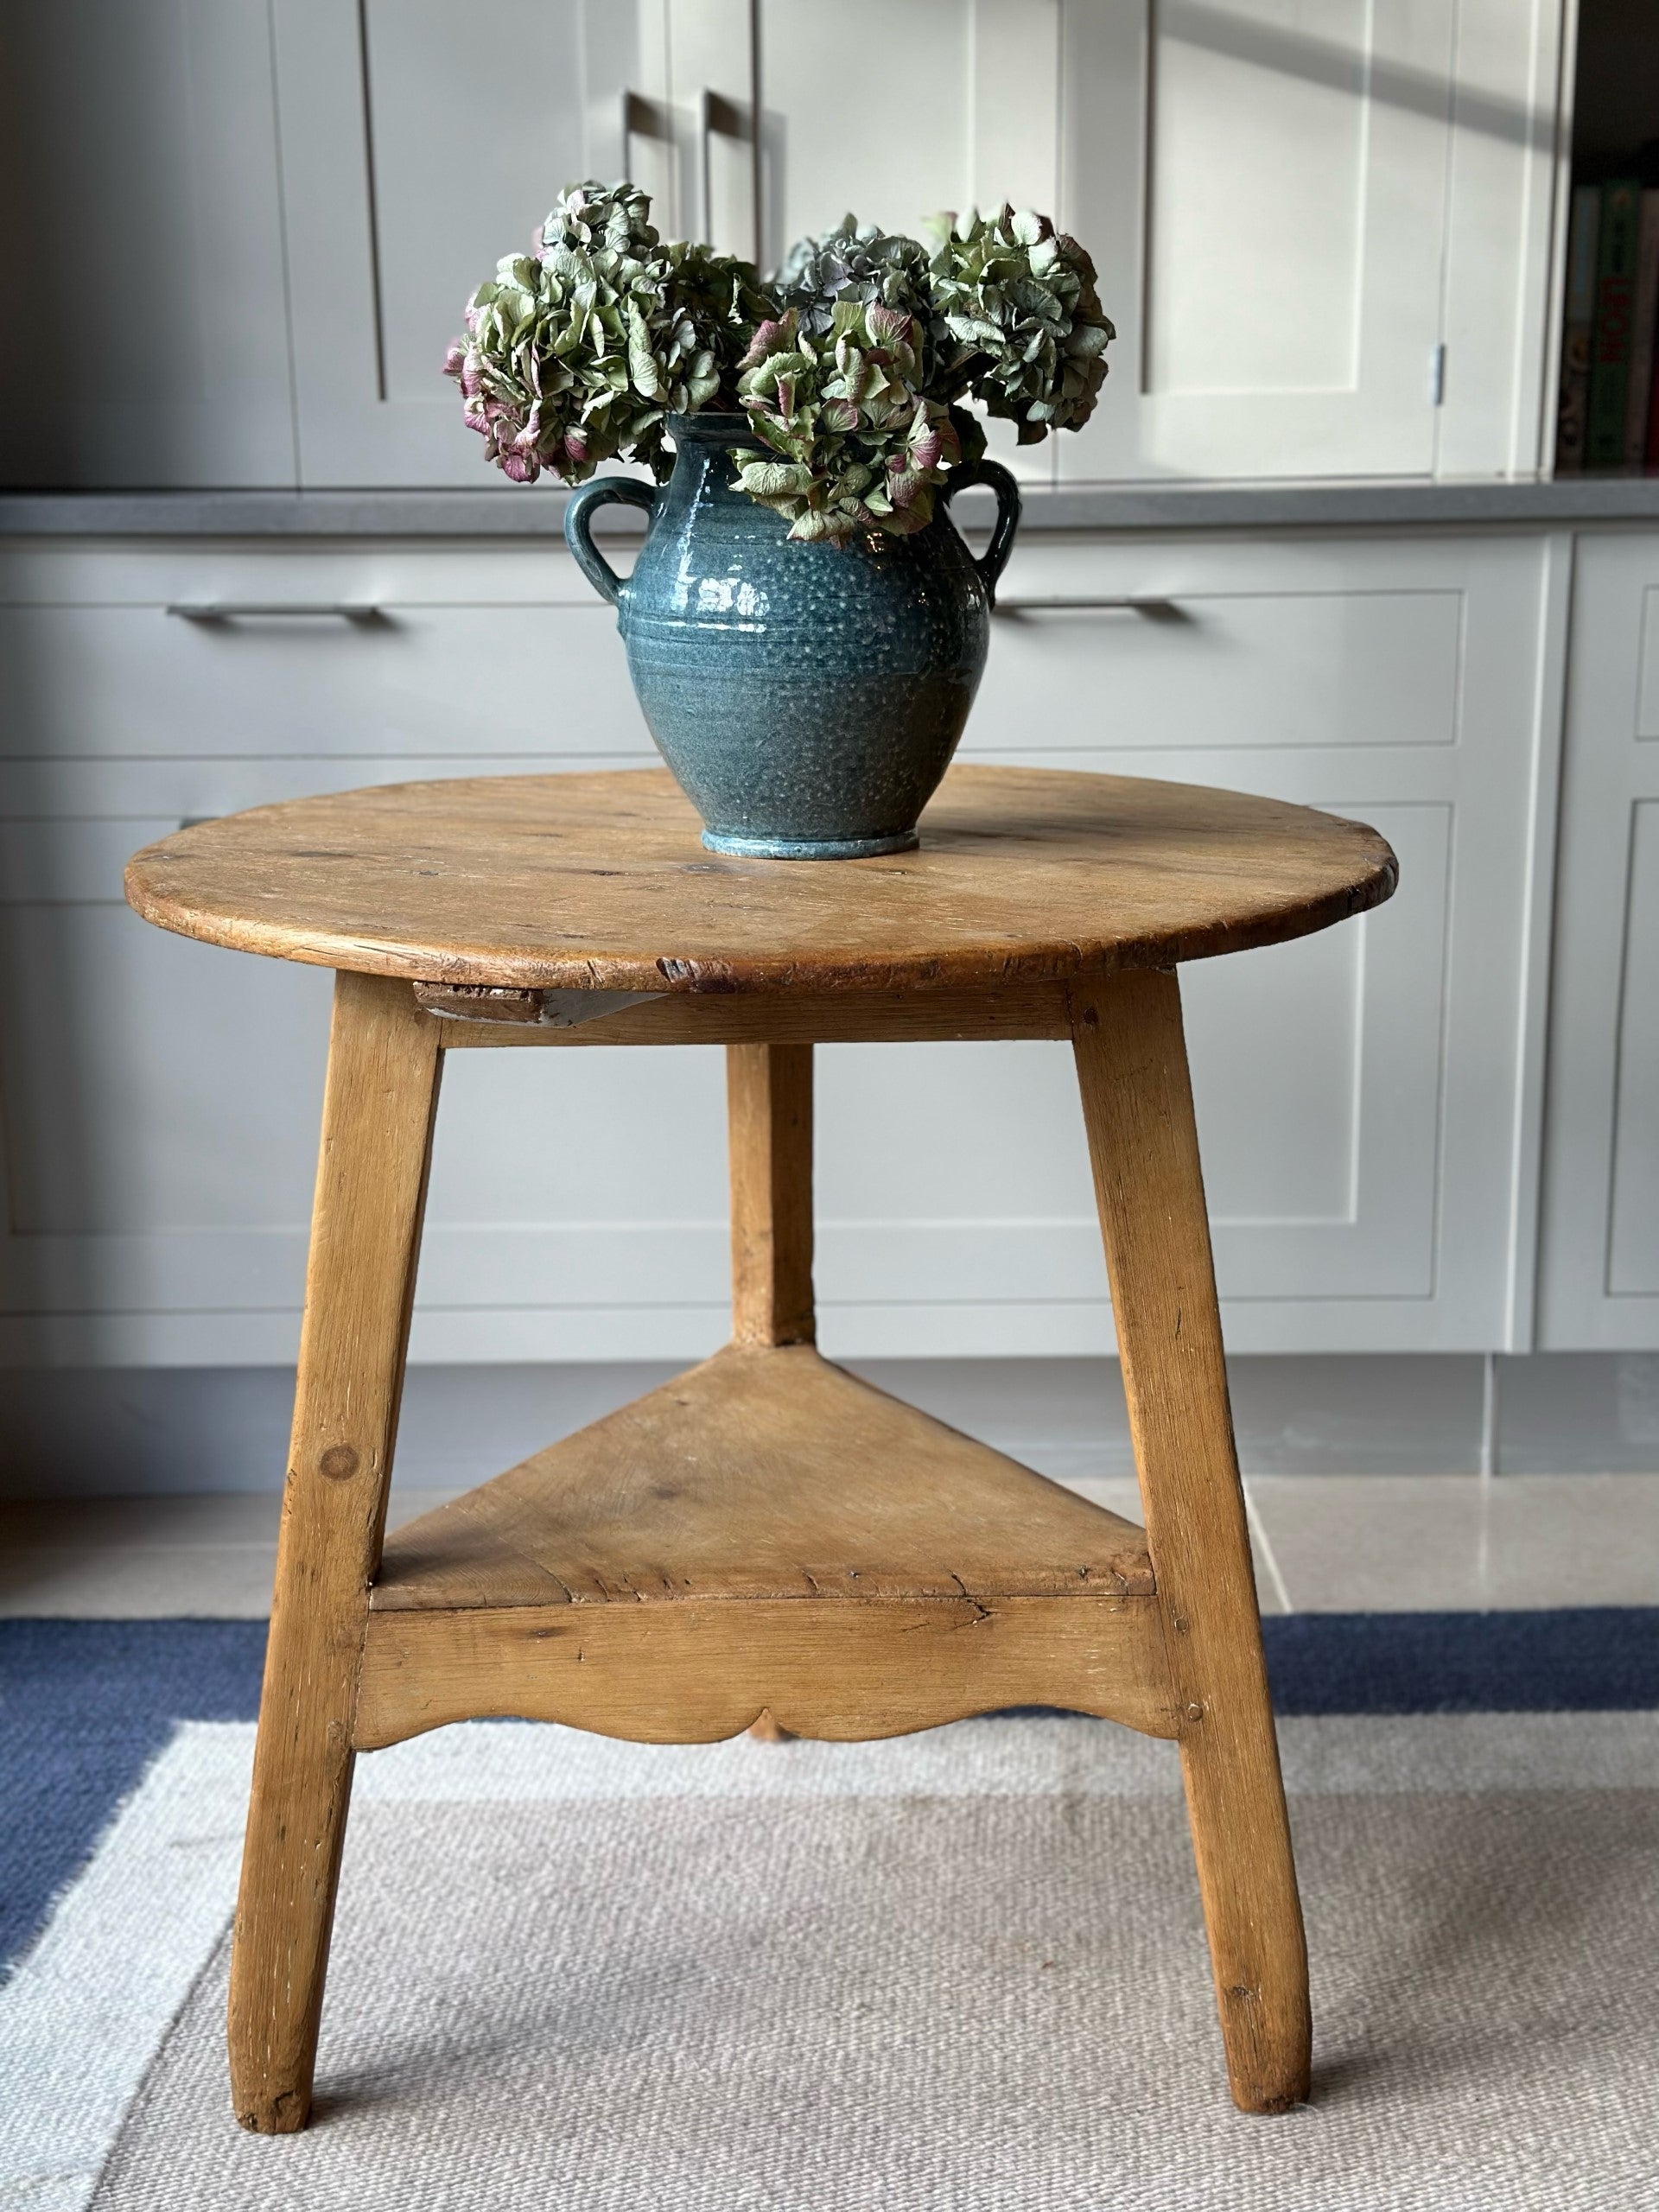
[(769, 1125), (376, 1124), (1137, 1103), (769, 1119)]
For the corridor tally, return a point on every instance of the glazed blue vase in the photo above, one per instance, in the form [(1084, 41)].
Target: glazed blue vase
[(808, 698)]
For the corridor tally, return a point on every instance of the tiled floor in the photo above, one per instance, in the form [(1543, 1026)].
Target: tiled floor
[(1339, 1543)]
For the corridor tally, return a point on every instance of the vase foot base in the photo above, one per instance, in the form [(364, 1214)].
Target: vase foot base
[(812, 848)]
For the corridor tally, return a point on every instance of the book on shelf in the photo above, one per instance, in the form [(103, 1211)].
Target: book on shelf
[(1637, 404), (1617, 241), (1578, 328)]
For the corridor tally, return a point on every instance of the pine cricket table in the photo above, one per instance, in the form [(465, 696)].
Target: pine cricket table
[(766, 1540)]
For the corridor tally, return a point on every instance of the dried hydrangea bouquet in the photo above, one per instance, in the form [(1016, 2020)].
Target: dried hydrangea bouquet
[(805, 627)]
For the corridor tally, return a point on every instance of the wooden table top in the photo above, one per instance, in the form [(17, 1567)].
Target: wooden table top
[(598, 881)]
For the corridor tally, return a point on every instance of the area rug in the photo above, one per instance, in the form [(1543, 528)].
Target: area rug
[(964, 1969)]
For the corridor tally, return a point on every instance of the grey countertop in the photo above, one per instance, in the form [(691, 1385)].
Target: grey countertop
[(508, 513)]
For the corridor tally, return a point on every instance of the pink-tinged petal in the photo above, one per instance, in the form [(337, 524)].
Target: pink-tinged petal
[(888, 325), (575, 445), (522, 467), (453, 361), (769, 337), (924, 451), (472, 383)]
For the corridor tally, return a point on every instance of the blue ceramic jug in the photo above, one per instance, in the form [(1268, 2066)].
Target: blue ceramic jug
[(808, 697)]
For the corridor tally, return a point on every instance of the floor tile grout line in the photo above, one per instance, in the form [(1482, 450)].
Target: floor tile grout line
[(1263, 1543), (1347, 1543)]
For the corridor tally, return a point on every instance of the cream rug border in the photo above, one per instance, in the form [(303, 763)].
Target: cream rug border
[(87, 2011)]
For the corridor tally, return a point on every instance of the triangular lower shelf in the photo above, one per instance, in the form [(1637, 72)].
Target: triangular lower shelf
[(762, 1474)]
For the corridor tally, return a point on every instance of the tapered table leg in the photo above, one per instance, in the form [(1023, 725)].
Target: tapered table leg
[(1137, 1104), (769, 1123), (377, 1113), (769, 1120)]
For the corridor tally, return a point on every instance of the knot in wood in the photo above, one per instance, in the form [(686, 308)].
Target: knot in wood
[(339, 1463)]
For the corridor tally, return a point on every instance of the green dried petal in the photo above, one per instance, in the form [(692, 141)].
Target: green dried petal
[(769, 480)]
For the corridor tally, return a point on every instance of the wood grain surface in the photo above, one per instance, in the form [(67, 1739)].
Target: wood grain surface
[(765, 1535), (1137, 1104), (769, 1113), (376, 1130), (979, 1014), (696, 1673), (598, 882), (760, 1474)]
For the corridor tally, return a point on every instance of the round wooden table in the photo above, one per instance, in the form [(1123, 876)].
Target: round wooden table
[(766, 1540)]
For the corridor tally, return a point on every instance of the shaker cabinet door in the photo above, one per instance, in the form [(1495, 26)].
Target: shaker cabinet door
[(142, 336), (420, 142), (1600, 1287), (1366, 1095), (895, 114), (1264, 187), (1323, 232), (160, 1097)]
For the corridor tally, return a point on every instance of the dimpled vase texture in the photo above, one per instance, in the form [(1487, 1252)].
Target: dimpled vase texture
[(807, 698)]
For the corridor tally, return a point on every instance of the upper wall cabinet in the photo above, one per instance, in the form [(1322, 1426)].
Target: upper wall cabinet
[(143, 334), (414, 159), (1323, 230), (421, 140), (970, 118)]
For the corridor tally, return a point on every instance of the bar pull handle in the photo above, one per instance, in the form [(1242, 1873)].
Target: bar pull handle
[(1155, 610), (276, 610)]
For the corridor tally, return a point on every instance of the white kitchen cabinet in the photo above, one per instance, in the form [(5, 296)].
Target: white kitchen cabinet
[(144, 337), (969, 117), (421, 141), (1600, 1258), (1367, 1098), (161, 1095), (1324, 233)]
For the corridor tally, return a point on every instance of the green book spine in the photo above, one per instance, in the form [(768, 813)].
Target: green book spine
[(1609, 370)]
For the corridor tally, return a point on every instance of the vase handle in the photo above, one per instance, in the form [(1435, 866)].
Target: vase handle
[(1001, 480), (629, 492)]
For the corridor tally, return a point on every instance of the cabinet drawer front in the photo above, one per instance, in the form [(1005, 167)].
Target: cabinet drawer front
[(105, 682), (1353, 1088), (1081, 669)]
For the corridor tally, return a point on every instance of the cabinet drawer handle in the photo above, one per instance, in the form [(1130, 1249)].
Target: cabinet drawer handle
[(279, 610), (1155, 610)]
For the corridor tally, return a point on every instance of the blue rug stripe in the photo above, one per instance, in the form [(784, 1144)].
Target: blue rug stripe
[(1579, 1659), (84, 1705)]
